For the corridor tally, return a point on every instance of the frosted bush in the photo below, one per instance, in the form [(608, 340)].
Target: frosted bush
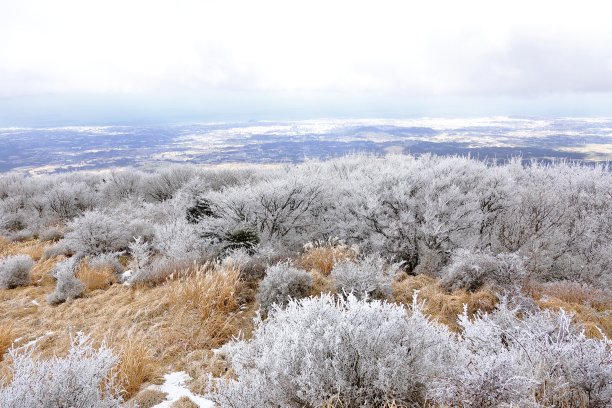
[(67, 286), (282, 283), (57, 249), (526, 359), (239, 258), (415, 210), (164, 184), (15, 271), (83, 378), (178, 239), (23, 235), (369, 277), (95, 233), (69, 199), (140, 250), (472, 270), (160, 269), (51, 234), (107, 260), (354, 352)]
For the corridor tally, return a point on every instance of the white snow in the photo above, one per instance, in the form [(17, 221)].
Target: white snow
[(125, 277), (175, 386)]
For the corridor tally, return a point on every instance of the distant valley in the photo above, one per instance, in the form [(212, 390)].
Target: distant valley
[(60, 149)]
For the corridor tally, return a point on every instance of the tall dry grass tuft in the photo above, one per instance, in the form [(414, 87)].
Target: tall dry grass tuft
[(94, 278), (591, 306), (337, 402), (7, 336), (4, 246), (323, 259), (321, 283), (41, 272), (31, 247), (184, 402), (205, 308), (571, 292), (136, 366), (439, 304)]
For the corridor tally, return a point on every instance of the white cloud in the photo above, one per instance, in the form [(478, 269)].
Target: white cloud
[(391, 47)]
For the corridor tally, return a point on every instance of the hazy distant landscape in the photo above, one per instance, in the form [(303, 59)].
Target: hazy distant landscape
[(57, 149)]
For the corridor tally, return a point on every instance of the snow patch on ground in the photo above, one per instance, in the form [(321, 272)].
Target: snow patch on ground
[(175, 386), (125, 277)]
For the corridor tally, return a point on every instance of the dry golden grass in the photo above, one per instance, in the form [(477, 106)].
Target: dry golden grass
[(4, 245), (321, 283), (336, 402), (41, 272), (148, 399), (591, 306), (172, 322), (439, 304), (31, 247), (206, 308), (184, 402), (94, 278), (323, 259), (136, 366), (572, 292), (7, 336)]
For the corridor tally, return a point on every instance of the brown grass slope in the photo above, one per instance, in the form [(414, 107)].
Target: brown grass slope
[(175, 324)]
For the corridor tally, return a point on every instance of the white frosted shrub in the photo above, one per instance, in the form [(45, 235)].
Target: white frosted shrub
[(370, 276), (140, 251), (528, 359), (282, 283), (20, 236), (160, 269), (81, 379), (95, 233), (51, 234), (177, 239), (57, 249), (471, 270), (15, 271), (107, 260), (164, 184), (239, 258), (69, 199), (67, 286), (354, 352)]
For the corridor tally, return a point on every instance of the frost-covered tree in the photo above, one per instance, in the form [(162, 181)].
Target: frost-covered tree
[(164, 184)]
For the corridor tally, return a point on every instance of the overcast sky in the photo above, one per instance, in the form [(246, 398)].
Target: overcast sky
[(130, 59)]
